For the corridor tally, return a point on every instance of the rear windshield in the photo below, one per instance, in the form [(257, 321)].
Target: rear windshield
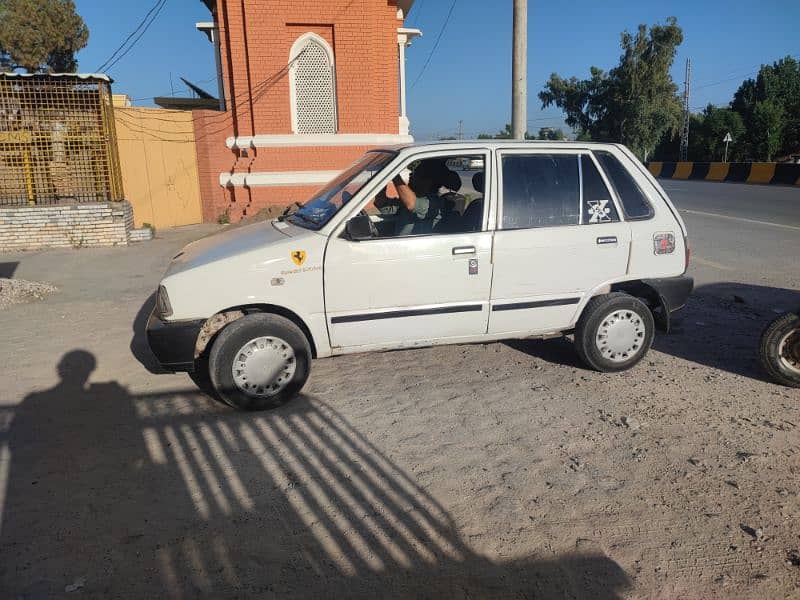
[(634, 202)]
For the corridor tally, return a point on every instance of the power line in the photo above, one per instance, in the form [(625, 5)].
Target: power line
[(750, 71), (140, 30), (127, 39), (436, 44)]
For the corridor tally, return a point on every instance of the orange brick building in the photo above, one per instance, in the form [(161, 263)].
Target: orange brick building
[(306, 86)]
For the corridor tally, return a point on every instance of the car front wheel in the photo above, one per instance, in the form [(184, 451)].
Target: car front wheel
[(614, 332), (259, 361)]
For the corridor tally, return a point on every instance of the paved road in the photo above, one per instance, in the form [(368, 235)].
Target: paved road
[(741, 233)]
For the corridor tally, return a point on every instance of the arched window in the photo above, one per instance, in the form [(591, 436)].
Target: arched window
[(312, 85)]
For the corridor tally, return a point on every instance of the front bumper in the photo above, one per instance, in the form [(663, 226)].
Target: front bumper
[(173, 343)]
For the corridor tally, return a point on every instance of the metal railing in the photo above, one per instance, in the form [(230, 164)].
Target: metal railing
[(57, 140)]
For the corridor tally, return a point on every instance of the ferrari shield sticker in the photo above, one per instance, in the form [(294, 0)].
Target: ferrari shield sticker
[(298, 257)]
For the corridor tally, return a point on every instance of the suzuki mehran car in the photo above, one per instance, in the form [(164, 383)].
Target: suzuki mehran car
[(400, 251)]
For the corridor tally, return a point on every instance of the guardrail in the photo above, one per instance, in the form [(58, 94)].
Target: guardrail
[(764, 173)]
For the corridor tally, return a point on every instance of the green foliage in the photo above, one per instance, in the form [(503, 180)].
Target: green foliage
[(706, 132), (224, 218), (40, 35), (504, 134), (767, 129), (548, 133), (636, 102), (770, 108)]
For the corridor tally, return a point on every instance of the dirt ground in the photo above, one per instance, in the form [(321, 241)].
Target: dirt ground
[(504, 470)]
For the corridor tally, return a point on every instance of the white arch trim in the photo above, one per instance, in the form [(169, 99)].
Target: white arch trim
[(298, 45)]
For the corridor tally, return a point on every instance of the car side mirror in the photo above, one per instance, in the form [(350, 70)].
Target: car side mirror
[(359, 228)]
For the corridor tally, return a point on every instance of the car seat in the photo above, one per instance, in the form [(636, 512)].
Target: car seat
[(473, 214)]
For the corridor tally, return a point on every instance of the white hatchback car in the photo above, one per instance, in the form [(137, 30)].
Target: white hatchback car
[(554, 238)]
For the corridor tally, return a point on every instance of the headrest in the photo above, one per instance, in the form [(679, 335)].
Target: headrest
[(451, 180), (478, 181)]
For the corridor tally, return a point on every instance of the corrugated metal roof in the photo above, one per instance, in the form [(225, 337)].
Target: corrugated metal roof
[(84, 76)]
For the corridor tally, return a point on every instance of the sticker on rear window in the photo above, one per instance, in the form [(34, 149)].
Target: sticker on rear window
[(664, 243)]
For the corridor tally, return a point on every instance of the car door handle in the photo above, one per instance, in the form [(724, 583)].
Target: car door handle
[(463, 250), (608, 239)]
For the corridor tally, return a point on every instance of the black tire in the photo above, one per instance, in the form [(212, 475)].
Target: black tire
[(202, 378), (233, 337), (777, 367), (597, 310)]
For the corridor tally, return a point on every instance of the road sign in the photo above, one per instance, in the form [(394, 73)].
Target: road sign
[(727, 139)]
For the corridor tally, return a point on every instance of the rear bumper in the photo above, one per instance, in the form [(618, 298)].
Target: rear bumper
[(673, 291), (173, 343)]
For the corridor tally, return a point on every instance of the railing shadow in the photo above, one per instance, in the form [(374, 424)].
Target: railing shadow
[(172, 495)]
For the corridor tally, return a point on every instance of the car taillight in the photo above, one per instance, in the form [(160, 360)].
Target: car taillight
[(163, 307), (688, 253)]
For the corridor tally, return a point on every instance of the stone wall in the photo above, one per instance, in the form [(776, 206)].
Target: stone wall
[(66, 225)]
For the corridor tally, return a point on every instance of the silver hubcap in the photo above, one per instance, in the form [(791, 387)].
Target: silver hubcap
[(621, 335), (263, 366), (789, 351)]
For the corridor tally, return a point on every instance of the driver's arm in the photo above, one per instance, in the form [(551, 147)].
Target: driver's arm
[(407, 195)]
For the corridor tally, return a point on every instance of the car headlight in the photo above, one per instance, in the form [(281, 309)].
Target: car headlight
[(163, 307)]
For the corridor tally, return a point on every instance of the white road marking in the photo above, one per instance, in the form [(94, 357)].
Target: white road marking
[(710, 263), (756, 222)]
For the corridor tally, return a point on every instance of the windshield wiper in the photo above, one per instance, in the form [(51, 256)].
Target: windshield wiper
[(304, 218), (282, 218)]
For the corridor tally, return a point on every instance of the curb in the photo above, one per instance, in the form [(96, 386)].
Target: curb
[(759, 173)]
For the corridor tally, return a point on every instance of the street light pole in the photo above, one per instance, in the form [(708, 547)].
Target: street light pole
[(519, 71)]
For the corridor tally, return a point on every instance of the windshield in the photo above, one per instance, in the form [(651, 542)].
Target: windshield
[(329, 200)]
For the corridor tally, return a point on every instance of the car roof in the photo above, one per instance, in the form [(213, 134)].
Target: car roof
[(497, 143)]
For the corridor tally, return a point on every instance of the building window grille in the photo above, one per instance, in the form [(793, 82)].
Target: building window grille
[(313, 86)]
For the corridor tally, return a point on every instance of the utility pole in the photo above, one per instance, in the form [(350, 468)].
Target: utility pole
[(519, 71), (685, 134), (460, 129)]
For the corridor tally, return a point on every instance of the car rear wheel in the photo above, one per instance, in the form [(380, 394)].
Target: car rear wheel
[(614, 332), (259, 361), (780, 350)]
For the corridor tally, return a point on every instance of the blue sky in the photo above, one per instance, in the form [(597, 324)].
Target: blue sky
[(469, 75)]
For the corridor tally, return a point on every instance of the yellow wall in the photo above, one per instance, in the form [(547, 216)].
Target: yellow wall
[(682, 170), (159, 165), (655, 168), (717, 171), (761, 172)]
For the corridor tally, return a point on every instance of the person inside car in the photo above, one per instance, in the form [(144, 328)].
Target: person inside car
[(418, 206)]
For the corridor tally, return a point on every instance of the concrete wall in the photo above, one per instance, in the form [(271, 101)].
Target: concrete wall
[(159, 165), (69, 225), (774, 173)]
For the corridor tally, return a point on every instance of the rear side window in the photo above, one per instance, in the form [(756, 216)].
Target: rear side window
[(541, 190), (634, 202), (597, 204)]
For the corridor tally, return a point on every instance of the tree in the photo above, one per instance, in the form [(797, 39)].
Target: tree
[(503, 134), (548, 133), (636, 102), (767, 129), (771, 128), (40, 35), (706, 132)]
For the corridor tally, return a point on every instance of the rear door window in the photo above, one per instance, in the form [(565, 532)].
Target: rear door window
[(598, 207), (540, 190), (634, 201)]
